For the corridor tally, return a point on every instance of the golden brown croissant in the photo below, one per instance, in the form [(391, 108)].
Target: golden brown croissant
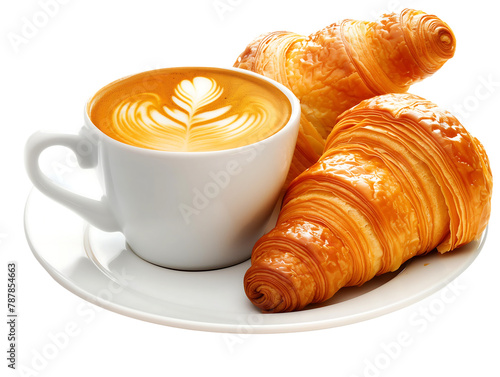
[(342, 64), (399, 177)]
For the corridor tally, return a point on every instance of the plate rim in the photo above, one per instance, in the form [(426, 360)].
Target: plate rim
[(241, 328)]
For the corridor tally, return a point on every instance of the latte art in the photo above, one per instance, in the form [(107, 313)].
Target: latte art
[(142, 120), (200, 113)]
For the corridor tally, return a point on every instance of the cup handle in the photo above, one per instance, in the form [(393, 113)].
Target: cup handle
[(96, 212)]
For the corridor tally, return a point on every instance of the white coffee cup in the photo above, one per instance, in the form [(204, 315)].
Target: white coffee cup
[(183, 210)]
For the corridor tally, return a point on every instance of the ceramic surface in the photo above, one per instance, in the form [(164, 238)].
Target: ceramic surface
[(99, 267)]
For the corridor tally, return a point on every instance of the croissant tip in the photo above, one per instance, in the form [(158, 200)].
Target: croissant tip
[(445, 41), (269, 291), (430, 39)]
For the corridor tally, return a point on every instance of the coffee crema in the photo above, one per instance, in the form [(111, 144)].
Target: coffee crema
[(189, 109)]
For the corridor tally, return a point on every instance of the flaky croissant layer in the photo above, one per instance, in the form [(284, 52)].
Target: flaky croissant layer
[(399, 177), (341, 65)]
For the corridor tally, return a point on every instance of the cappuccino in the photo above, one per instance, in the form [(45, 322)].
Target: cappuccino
[(189, 109)]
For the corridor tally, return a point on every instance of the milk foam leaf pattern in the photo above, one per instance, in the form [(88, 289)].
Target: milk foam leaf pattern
[(196, 116), (193, 95)]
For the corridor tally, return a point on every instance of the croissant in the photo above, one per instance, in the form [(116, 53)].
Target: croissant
[(342, 64), (399, 178)]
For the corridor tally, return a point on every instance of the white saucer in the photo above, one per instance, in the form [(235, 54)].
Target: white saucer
[(98, 267)]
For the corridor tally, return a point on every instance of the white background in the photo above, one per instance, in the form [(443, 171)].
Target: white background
[(83, 45)]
